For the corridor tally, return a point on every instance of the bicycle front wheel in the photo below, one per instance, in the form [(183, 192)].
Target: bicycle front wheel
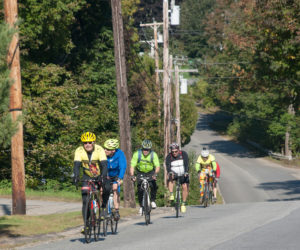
[(177, 204), (205, 196), (88, 221), (97, 221), (146, 207)]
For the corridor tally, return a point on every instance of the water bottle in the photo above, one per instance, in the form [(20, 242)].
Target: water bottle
[(110, 203), (95, 206)]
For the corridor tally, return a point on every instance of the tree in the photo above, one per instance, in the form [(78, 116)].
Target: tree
[(7, 127)]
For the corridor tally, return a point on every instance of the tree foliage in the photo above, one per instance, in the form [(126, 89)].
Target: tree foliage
[(253, 68)]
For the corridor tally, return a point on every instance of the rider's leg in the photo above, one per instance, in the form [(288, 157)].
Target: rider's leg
[(201, 180), (184, 192), (153, 187), (116, 196)]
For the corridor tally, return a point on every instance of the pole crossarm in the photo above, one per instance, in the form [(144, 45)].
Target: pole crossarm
[(150, 24), (180, 71)]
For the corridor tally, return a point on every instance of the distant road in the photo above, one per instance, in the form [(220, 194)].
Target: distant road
[(245, 177)]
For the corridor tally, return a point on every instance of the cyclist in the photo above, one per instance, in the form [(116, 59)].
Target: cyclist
[(177, 162), (91, 157), (146, 162), (206, 161), (116, 165)]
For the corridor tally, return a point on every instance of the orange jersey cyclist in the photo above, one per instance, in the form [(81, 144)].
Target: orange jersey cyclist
[(91, 157)]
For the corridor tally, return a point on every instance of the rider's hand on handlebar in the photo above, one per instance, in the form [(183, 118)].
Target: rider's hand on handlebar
[(186, 174), (119, 181), (154, 177), (133, 178)]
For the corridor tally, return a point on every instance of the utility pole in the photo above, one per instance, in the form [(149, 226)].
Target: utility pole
[(177, 99), (177, 105), (166, 83), (155, 25), (122, 93), (17, 144)]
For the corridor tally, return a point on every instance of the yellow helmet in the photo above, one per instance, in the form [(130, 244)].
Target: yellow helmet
[(111, 144), (88, 136)]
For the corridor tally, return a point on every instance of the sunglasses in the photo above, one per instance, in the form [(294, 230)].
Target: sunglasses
[(174, 151), (88, 142), (146, 149)]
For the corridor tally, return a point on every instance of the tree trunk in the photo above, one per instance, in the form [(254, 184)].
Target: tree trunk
[(288, 142)]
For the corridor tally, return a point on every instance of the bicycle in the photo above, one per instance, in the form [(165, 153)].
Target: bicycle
[(110, 219), (92, 219), (208, 189), (175, 177), (146, 198)]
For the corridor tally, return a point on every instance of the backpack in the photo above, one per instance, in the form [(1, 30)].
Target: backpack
[(140, 156)]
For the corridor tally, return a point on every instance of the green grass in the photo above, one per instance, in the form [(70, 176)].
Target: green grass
[(54, 195)]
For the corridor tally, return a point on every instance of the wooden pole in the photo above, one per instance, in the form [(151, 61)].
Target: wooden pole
[(166, 83), (122, 93), (177, 105), (157, 77), (17, 144)]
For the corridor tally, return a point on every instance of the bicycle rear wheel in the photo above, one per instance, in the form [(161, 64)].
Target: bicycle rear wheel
[(88, 221), (146, 207), (177, 204)]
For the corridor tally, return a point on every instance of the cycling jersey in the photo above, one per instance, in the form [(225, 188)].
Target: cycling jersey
[(117, 164), (179, 164), (145, 164), (211, 161), (94, 163)]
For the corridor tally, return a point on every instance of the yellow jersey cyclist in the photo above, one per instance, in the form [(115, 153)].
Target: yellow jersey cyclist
[(206, 161), (145, 162), (91, 157)]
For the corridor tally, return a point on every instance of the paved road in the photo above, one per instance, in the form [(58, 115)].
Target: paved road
[(262, 209), (39, 207), (244, 176)]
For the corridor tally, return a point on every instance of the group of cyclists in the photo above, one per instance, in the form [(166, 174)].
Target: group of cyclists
[(108, 164)]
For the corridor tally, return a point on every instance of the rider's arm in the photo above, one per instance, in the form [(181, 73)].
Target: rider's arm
[(77, 162), (133, 162), (197, 165), (156, 163), (214, 166), (122, 165), (76, 169), (103, 162), (185, 161)]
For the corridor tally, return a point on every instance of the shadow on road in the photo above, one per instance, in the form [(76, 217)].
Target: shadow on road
[(221, 146), (291, 187), (6, 209)]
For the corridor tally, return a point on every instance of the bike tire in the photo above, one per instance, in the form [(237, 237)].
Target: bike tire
[(146, 208), (104, 223), (88, 221), (205, 196), (177, 204), (98, 222)]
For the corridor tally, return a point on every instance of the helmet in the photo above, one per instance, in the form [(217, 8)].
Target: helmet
[(88, 136), (147, 144), (204, 152), (111, 144), (174, 145)]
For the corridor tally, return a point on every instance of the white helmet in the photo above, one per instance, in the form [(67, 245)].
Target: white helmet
[(204, 152)]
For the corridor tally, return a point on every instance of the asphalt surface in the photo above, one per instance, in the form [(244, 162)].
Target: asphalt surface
[(40, 207)]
